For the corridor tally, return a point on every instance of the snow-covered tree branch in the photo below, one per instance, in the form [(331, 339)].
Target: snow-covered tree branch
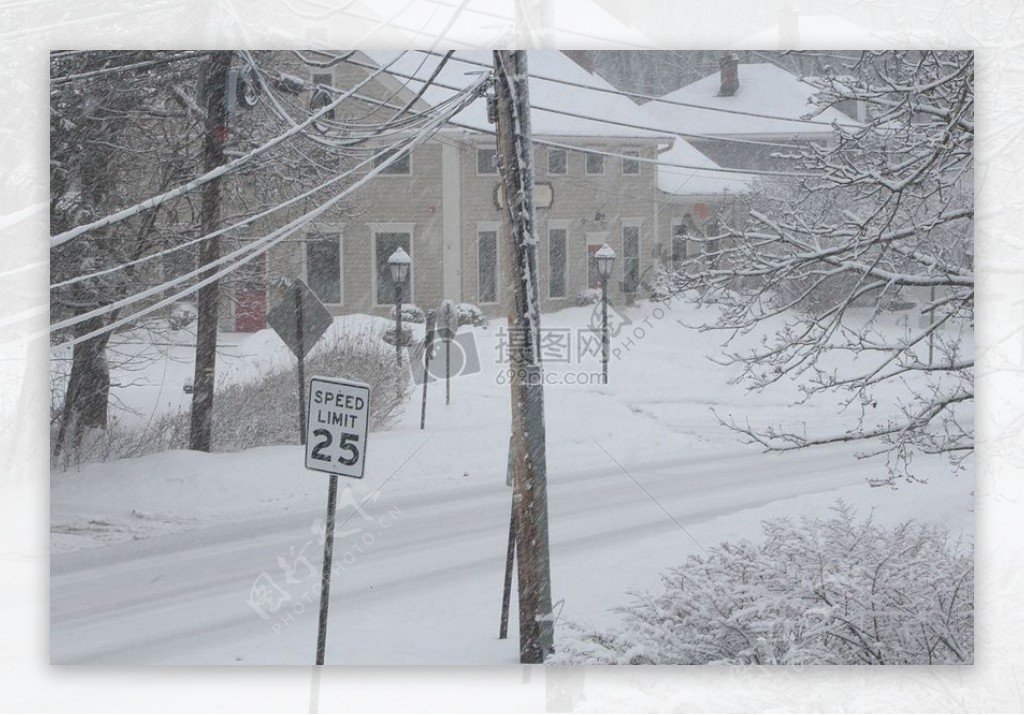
[(883, 227)]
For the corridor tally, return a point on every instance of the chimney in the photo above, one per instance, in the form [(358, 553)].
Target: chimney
[(730, 74)]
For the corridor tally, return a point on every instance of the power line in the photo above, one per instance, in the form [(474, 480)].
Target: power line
[(87, 76), (390, 155), (662, 100), (222, 170), (422, 117), (416, 119), (674, 165), (622, 93)]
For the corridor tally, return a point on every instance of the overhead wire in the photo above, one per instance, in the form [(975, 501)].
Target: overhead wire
[(246, 253), (419, 118), (145, 64), (222, 170), (853, 124), (222, 231)]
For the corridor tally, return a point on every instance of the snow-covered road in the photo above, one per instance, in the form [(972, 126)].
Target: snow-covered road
[(424, 582)]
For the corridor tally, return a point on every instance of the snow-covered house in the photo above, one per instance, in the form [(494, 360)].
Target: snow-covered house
[(746, 115), (597, 176)]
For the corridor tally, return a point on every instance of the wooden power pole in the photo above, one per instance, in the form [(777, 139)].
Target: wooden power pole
[(216, 133), (515, 155)]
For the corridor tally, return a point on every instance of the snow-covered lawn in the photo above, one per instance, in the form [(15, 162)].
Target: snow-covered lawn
[(177, 557)]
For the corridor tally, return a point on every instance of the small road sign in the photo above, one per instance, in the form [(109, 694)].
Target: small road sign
[(338, 417), (299, 335)]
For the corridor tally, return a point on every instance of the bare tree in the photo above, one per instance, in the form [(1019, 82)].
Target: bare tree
[(113, 138), (879, 221)]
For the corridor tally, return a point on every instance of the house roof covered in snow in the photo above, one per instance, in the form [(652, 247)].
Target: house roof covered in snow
[(768, 101), (710, 179), (585, 106), (601, 113)]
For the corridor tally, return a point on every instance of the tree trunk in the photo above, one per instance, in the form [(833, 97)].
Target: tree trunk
[(88, 392)]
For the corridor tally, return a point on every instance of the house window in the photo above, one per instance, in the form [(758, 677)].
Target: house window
[(556, 263), (386, 243), (402, 166), (557, 161), (323, 267), (321, 94), (680, 235), (630, 166), (487, 161), (713, 246), (594, 163), (630, 258), (487, 256)]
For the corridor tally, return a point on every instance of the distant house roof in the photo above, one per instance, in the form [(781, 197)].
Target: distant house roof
[(612, 110), (710, 180), (764, 89), (604, 114)]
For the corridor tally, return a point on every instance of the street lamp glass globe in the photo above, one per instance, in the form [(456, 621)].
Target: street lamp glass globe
[(605, 258), (399, 264)]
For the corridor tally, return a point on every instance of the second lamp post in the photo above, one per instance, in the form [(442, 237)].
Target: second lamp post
[(399, 264), (605, 258)]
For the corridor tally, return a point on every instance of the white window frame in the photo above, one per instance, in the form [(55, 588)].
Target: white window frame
[(481, 227), (386, 174), (630, 152), (565, 153), (375, 230), (477, 158), (639, 224), (562, 224), (586, 163)]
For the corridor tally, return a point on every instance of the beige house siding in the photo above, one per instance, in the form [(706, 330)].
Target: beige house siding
[(446, 201)]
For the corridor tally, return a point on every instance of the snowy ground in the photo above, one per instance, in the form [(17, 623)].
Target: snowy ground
[(192, 558)]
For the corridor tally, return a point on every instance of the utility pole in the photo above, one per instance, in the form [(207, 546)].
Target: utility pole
[(515, 152), (216, 134)]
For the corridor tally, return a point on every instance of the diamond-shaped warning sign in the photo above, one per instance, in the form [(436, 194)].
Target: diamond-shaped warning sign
[(300, 319)]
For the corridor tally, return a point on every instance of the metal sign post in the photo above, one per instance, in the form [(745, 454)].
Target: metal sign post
[(337, 423), (428, 348), (449, 323), (300, 319)]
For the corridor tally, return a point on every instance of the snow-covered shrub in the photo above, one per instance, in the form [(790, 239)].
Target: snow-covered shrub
[(261, 412), (266, 411), (588, 296), (823, 591), (470, 314), (666, 284), (410, 313), (389, 336)]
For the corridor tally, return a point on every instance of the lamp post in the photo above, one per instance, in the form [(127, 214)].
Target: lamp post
[(605, 258), (399, 263)]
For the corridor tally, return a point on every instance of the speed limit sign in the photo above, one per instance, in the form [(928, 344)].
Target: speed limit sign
[(338, 416)]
